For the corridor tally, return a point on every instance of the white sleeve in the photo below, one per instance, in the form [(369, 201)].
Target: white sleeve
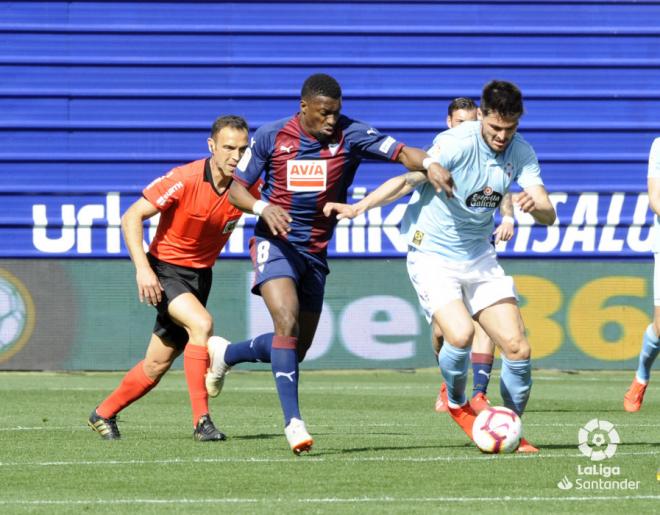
[(654, 159)]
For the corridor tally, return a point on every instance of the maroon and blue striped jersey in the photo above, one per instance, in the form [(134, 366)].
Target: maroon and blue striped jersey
[(302, 174)]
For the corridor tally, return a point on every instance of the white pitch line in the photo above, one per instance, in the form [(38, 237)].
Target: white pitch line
[(312, 459), (333, 388), (384, 425), (332, 500)]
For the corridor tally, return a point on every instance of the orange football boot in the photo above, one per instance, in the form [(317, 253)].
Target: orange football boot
[(525, 446), (441, 401), (464, 416), (479, 402), (632, 400)]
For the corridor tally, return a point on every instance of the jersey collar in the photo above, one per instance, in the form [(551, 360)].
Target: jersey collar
[(208, 177)]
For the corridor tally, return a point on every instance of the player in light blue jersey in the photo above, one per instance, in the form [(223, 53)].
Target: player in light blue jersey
[(451, 262), (463, 109), (634, 397)]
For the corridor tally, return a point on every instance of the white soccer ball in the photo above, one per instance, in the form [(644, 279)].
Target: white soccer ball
[(497, 430)]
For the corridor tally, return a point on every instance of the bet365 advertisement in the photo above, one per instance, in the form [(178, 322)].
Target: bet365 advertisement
[(84, 314)]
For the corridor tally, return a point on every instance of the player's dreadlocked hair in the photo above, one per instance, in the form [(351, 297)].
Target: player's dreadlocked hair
[(322, 85), (502, 97), (461, 103)]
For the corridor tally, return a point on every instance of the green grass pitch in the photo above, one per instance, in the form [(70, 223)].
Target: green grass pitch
[(379, 448)]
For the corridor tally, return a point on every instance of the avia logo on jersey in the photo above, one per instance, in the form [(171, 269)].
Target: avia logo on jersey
[(483, 200), (306, 174)]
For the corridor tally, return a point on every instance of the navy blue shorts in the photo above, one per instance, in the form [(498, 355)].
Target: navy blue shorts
[(273, 258)]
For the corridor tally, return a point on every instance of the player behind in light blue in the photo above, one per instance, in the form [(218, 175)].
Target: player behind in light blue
[(634, 397), (451, 262)]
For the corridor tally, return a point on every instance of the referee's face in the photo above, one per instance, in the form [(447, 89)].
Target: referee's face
[(227, 147), (498, 130)]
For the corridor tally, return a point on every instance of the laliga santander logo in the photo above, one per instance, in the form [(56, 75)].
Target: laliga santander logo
[(598, 441), (594, 435)]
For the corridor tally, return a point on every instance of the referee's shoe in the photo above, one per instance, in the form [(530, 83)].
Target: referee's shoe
[(106, 427), (206, 430)]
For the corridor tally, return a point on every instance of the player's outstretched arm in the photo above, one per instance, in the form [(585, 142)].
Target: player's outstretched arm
[(391, 190), (148, 285), (505, 230), (276, 218), (654, 194), (416, 159), (535, 201)]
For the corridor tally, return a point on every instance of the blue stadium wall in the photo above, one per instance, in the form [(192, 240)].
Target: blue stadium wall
[(99, 98)]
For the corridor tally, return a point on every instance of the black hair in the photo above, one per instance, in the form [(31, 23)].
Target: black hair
[(230, 120), (461, 103), (502, 97), (320, 85)]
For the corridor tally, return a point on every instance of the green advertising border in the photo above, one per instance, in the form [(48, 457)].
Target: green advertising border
[(579, 314)]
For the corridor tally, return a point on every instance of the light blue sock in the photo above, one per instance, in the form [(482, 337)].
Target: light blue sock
[(516, 383), (650, 349), (454, 364)]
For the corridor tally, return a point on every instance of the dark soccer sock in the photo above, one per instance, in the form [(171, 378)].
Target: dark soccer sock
[(454, 366), (516, 383), (650, 349), (482, 364), (284, 363), (250, 351), (195, 364), (134, 385)]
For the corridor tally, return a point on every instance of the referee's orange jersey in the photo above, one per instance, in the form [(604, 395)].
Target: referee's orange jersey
[(196, 221)]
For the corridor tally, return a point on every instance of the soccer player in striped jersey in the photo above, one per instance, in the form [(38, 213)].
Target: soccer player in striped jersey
[(175, 276), (308, 159), (632, 401), (451, 261)]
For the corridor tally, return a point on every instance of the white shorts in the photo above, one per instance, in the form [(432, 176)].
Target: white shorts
[(479, 283), (656, 280)]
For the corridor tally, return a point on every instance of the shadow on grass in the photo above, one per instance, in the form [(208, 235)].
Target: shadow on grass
[(403, 448), (261, 436)]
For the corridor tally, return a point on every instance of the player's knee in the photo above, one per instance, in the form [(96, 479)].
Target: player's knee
[(517, 349), (206, 326), (462, 337), (202, 329)]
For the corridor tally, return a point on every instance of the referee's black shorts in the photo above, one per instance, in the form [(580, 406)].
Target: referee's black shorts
[(176, 280)]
